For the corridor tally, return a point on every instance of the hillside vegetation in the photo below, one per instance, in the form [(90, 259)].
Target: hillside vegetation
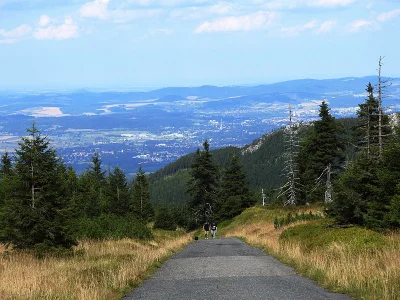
[(352, 260), (262, 163)]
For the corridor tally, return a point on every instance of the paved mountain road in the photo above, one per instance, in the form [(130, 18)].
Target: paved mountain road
[(228, 268)]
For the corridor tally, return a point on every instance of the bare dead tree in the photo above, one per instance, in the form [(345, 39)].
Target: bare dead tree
[(382, 85), (380, 107), (291, 142), (328, 183)]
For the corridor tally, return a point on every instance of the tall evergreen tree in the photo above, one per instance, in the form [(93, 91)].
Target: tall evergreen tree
[(6, 187), (367, 130), (368, 133), (373, 133), (6, 165), (203, 183), (38, 213), (6, 172), (235, 195), (322, 147), (118, 193), (141, 205), (390, 178), (93, 188)]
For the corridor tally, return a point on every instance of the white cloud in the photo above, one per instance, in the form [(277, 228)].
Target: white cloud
[(8, 41), (257, 21), (221, 8), (14, 35), (292, 4), (326, 27), (359, 25), (44, 20), (98, 9), (388, 15), (16, 32), (166, 3), (296, 30), (95, 9), (138, 2), (329, 3), (124, 16), (201, 12), (65, 31), (313, 26)]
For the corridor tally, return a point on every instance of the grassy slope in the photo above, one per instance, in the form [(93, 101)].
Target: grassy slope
[(353, 260), (97, 270)]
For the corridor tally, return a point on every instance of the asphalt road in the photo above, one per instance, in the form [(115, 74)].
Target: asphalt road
[(220, 269)]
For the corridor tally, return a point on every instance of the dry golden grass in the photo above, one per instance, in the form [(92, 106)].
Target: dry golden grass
[(363, 274), (99, 270)]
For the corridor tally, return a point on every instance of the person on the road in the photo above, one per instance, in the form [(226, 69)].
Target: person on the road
[(213, 230), (206, 228)]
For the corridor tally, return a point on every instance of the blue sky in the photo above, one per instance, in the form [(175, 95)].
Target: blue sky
[(63, 44)]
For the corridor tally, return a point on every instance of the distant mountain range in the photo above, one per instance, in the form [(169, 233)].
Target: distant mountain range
[(156, 127)]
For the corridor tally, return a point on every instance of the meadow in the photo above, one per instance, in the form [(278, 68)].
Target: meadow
[(356, 261), (103, 269)]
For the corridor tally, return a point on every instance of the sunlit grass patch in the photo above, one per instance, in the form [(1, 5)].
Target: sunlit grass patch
[(98, 269), (360, 262)]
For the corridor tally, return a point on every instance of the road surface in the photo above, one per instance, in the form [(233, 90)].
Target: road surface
[(219, 269)]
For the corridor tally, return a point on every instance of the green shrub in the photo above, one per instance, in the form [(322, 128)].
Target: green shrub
[(165, 219), (279, 222), (320, 234)]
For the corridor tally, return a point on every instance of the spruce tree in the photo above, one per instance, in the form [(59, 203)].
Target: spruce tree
[(367, 130), (372, 132), (93, 188), (141, 205), (6, 187), (235, 195), (38, 213), (322, 147), (118, 193), (203, 183), (6, 172)]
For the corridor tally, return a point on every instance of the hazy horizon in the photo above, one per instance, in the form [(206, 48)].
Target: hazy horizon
[(74, 44), (150, 87)]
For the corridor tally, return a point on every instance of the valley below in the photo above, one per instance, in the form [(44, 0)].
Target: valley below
[(155, 128)]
